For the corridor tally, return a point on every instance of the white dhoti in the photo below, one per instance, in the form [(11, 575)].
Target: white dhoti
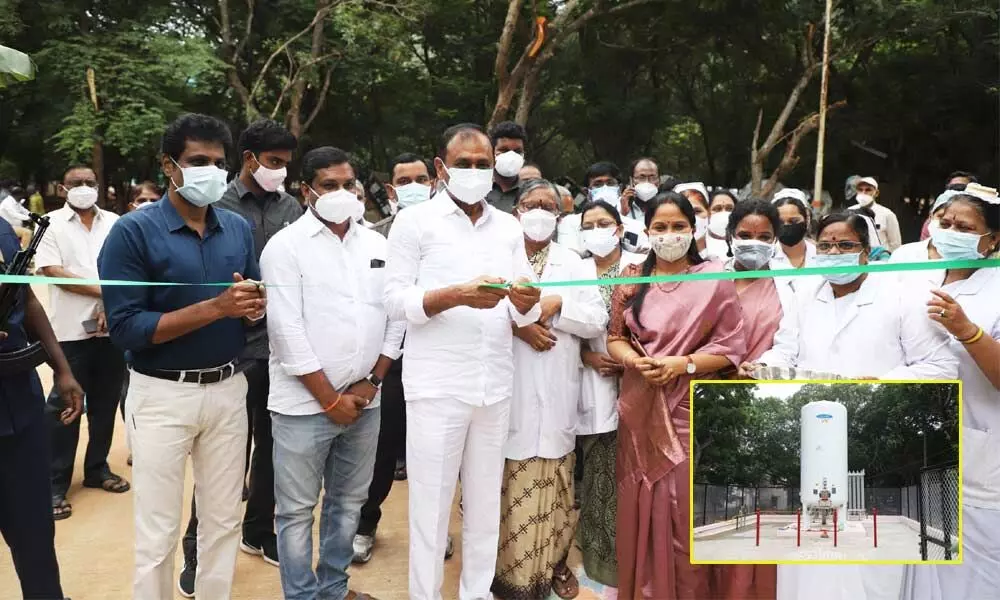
[(445, 438), (839, 582), (979, 574)]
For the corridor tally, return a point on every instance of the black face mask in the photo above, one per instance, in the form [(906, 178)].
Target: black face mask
[(792, 233)]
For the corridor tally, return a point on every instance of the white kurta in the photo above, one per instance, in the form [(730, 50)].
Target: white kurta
[(879, 332), (979, 574), (598, 409), (543, 411)]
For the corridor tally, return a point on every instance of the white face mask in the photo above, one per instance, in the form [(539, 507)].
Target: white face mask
[(700, 227), (933, 226), (865, 199), (600, 241), (339, 206), (646, 191), (412, 193), (269, 180), (469, 186), (538, 224), (608, 193), (718, 223), (202, 185), (671, 246), (509, 164), (82, 197)]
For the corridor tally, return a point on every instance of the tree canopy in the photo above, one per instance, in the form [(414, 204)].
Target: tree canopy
[(744, 440), (592, 80)]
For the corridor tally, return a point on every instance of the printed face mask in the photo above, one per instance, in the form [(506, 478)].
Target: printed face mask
[(752, 254), (671, 246)]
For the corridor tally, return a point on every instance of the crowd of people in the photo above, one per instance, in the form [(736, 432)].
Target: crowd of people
[(562, 412)]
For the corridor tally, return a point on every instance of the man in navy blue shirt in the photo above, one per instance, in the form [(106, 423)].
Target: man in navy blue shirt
[(187, 391), (25, 487)]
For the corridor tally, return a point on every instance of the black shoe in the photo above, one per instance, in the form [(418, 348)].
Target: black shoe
[(268, 549), (185, 583)]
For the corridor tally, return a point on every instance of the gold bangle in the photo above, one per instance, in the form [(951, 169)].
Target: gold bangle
[(332, 405), (974, 338)]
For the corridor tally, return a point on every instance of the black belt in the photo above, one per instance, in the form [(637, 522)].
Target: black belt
[(200, 376)]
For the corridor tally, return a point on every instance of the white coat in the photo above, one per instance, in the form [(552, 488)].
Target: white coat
[(599, 395), (880, 331), (543, 412)]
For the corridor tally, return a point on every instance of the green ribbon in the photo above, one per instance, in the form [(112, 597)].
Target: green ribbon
[(937, 265)]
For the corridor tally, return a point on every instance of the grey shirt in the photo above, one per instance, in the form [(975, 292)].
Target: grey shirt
[(267, 215), (501, 200)]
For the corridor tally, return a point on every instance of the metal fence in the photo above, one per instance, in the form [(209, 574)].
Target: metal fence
[(714, 503), (938, 508)]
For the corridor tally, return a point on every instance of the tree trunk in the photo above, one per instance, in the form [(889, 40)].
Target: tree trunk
[(528, 94), (293, 119)]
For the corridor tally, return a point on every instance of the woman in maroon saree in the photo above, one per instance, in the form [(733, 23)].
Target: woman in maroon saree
[(665, 335)]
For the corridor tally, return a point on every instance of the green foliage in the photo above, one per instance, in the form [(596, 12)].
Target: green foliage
[(744, 440)]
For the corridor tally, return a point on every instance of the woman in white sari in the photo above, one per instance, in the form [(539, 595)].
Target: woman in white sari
[(967, 303), (859, 326)]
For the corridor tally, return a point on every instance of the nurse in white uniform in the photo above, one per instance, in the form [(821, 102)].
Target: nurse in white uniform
[(795, 250), (859, 326), (598, 408), (966, 303)]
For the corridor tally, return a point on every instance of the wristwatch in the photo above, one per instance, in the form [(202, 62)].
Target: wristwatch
[(374, 380), (691, 368)]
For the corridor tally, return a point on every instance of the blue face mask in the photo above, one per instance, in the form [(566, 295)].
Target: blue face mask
[(202, 185), (956, 245), (838, 260)]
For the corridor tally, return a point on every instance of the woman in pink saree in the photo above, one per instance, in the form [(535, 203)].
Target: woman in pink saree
[(665, 335)]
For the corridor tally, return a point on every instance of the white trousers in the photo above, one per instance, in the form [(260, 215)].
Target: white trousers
[(444, 438), (167, 421), (840, 582)]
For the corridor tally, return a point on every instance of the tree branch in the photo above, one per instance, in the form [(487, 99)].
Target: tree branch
[(506, 40), (320, 100), (246, 31), (320, 14)]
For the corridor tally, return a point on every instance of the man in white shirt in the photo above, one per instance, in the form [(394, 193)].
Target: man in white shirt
[(885, 220), (458, 374), (331, 346), (69, 249)]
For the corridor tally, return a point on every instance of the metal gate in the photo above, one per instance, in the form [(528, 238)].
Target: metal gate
[(939, 512)]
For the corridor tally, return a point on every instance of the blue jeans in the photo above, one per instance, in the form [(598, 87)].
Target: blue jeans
[(311, 453)]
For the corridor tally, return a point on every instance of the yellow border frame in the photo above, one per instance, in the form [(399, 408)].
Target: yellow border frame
[(957, 561)]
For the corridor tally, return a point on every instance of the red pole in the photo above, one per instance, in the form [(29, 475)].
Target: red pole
[(758, 527), (798, 527), (875, 524), (835, 528)]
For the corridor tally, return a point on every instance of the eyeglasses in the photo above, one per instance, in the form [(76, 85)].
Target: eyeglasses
[(846, 247), (527, 206), (646, 179)]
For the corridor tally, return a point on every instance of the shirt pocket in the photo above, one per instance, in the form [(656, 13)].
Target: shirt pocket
[(981, 455), (373, 284)]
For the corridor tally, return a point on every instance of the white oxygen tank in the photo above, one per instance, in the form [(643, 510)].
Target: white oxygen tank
[(824, 455)]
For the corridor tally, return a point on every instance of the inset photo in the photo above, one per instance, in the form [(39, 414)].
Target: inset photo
[(845, 471)]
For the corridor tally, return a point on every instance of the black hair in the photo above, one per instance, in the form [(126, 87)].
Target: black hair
[(635, 163), (145, 185), (727, 193), (592, 204), (751, 206), (405, 159), (989, 212), (965, 174), (454, 131), (956, 187), (856, 222), (866, 211), (265, 135), (194, 127), (794, 202), (693, 256), (322, 158), (76, 167), (602, 169), (509, 130)]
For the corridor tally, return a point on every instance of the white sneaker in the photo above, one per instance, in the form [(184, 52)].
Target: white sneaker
[(363, 545)]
